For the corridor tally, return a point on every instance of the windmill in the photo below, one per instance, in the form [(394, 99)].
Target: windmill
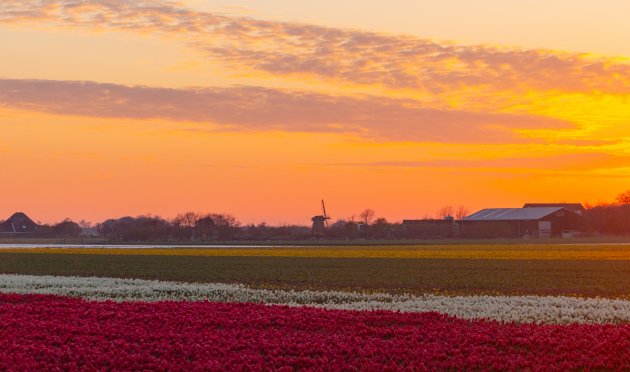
[(320, 223)]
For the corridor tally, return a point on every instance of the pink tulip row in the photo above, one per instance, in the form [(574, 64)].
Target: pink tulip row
[(50, 332)]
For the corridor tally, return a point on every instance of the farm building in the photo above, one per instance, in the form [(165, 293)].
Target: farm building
[(430, 229), (573, 207), (528, 222), (18, 223)]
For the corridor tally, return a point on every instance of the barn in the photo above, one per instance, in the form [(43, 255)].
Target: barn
[(529, 222), (573, 207), (18, 223)]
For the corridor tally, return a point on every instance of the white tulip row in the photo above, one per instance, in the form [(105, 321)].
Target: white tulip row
[(523, 309)]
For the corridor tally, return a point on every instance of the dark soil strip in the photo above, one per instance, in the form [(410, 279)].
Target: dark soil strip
[(456, 276)]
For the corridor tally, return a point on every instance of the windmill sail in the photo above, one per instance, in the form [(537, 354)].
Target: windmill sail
[(326, 217)]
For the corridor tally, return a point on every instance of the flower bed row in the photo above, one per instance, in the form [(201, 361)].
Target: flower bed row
[(522, 309), (472, 251), (42, 332)]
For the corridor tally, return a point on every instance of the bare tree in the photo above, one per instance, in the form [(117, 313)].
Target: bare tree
[(446, 211), (367, 215), (461, 212), (624, 198), (85, 224), (188, 219)]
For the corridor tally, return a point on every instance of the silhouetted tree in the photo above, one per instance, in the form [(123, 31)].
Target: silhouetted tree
[(380, 229), (367, 215), (85, 224), (608, 219), (343, 229), (141, 228), (216, 226), (446, 211), (186, 220), (624, 198), (461, 212), (67, 228)]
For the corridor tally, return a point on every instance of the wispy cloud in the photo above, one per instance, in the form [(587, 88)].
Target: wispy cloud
[(571, 162), (347, 55), (263, 109)]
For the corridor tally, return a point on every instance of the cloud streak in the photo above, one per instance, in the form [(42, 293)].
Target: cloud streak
[(347, 55), (262, 109), (559, 162)]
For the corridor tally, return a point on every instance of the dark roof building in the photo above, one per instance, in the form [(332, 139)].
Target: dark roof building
[(535, 222), (573, 207), (512, 214), (18, 223), (430, 229)]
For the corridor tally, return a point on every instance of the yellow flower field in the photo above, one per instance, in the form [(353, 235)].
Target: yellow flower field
[(501, 252)]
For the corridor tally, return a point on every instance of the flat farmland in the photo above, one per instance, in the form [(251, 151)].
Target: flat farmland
[(572, 270), (479, 307)]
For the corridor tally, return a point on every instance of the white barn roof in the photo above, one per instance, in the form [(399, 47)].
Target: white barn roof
[(512, 214)]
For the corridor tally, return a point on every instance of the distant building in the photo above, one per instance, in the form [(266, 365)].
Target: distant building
[(18, 223), (531, 221), (430, 229), (89, 232)]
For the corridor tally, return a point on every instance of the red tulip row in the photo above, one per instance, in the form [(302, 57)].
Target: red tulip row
[(48, 332)]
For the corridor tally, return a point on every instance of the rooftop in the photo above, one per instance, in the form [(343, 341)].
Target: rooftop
[(573, 207), (512, 214), (18, 223)]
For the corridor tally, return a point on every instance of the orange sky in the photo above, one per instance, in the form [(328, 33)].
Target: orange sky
[(261, 110)]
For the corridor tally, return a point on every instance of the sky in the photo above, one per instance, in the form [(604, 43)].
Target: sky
[(262, 108)]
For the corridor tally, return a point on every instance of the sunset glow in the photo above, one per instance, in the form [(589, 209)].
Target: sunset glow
[(260, 109)]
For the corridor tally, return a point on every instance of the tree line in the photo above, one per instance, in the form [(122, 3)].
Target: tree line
[(604, 218), (192, 226), (609, 218)]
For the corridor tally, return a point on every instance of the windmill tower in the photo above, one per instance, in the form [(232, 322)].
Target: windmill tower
[(320, 223)]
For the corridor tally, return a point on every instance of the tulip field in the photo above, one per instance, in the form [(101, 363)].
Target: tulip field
[(287, 309), (44, 332)]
